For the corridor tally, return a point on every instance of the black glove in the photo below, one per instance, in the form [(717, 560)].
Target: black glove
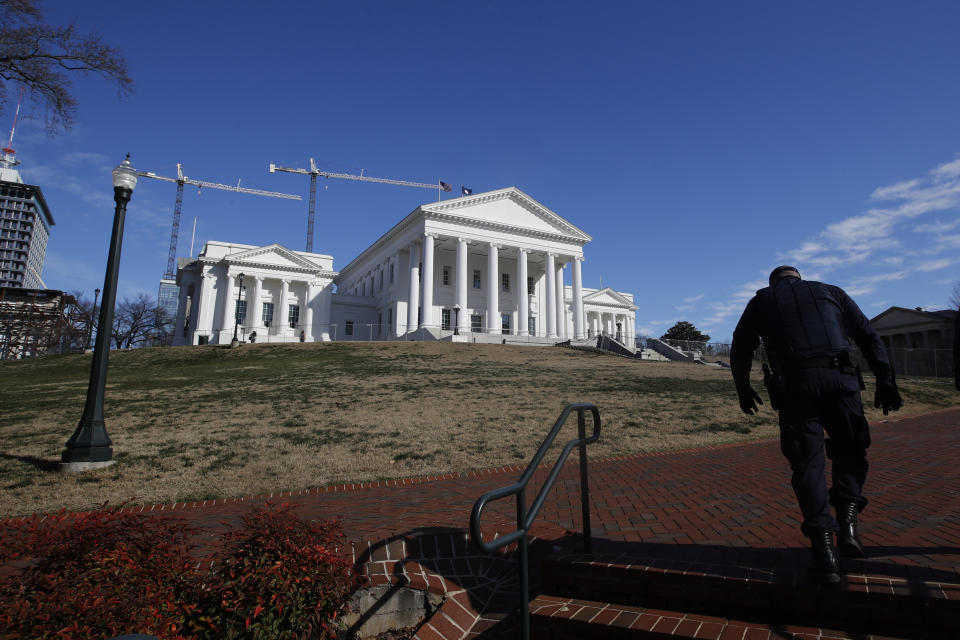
[(887, 396), (748, 400)]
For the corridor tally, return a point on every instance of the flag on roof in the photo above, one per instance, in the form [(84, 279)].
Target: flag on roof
[(445, 186), (465, 191)]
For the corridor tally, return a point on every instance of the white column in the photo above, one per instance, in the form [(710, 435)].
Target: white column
[(253, 313), (207, 304), (427, 281), (413, 302), (463, 319), (551, 273), (523, 300), (561, 304), (281, 314), (226, 323), (181, 315), (493, 290), (578, 332), (324, 297), (308, 312)]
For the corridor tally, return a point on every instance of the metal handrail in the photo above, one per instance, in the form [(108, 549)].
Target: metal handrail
[(525, 518)]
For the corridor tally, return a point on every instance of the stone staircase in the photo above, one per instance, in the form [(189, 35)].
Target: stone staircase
[(667, 351), (696, 591)]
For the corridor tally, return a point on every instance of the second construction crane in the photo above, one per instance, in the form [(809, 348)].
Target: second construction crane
[(313, 172), (181, 180)]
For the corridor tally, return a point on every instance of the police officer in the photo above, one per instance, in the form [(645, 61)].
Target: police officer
[(806, 328)]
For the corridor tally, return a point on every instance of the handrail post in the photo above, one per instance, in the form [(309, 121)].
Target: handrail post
[(524, 570), (584, 489), (525, 519)]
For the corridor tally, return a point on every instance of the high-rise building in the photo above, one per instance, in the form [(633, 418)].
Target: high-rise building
[(25, 223)]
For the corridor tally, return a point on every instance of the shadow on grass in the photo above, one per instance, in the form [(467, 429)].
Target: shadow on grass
[(39, 463)]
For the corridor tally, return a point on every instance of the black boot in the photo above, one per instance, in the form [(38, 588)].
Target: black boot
[(823, 564), (848, 540)]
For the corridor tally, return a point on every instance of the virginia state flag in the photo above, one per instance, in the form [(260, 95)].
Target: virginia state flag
[(465, 191)]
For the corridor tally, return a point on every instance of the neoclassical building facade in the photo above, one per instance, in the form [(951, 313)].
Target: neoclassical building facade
[(490, 267)]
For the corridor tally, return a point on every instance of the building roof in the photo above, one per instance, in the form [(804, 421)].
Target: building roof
[(906, 315)]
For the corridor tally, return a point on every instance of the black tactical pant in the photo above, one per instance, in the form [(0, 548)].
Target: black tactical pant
[(803, 421)]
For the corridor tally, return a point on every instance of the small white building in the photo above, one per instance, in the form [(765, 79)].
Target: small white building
[(481, 268)]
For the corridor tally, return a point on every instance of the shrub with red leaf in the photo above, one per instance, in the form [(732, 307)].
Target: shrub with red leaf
[(277, 576), (95, 575), (109, 572)]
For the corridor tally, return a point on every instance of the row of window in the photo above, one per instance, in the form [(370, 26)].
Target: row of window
[(16, 192), (22, 226), (12, 212), (266, 313), (446, 279), (476, 323)]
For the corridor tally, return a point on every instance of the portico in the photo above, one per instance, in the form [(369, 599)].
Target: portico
[(284, 293), (494, 264)]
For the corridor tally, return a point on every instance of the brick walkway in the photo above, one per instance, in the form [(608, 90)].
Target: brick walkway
[(728, 506)]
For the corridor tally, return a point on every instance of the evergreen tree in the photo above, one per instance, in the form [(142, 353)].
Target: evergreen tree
[(684, 330)]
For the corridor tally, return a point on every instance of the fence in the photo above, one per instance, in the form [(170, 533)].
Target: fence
[(927, 362)]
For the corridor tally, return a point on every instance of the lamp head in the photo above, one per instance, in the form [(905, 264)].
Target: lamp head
[(124, 175)]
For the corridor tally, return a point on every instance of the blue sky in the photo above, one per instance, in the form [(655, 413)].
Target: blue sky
[(699, 143)]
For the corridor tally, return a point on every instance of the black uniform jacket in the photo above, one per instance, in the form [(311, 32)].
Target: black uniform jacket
[(799, 320)]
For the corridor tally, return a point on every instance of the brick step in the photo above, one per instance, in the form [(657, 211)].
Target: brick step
[(557, 618), (870, 599)]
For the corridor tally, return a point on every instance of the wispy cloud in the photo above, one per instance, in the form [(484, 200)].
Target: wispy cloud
[(876, 236), (937, 227), (853, 240), (935, 265)]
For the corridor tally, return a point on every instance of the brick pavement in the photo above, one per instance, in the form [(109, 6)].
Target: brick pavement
[(728, 507)]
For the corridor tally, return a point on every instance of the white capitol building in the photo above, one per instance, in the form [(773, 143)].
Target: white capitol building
[(488, 267)]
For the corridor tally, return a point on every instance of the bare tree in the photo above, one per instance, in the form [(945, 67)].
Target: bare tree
[(135, 322), (955, 296), (39, 57), (82, 325)]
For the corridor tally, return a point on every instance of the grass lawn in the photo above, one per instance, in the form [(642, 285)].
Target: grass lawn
[(193, 423)]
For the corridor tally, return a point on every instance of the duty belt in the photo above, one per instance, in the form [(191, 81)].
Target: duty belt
[(825, 363)]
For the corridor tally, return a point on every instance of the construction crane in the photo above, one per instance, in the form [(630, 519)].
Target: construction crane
[(313, 172), (181, 180)]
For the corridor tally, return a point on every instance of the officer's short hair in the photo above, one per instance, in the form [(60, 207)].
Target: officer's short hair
[(783, 272)]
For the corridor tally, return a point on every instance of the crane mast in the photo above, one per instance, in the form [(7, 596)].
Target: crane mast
[(181, 180), (313, 172)]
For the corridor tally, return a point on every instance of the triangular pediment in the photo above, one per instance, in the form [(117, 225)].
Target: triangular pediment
[(506, 208), (607, 297), (273, 255)]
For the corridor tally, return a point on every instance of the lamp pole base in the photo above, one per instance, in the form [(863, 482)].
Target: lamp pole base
[(74, 467), (234, 343)]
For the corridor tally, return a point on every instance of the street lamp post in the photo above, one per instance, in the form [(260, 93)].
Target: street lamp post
[(89, 447), (456, 319), (236, 314)]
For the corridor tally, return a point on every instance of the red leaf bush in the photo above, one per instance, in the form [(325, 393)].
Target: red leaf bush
[(110, 572), (95, 575), (277, 576)]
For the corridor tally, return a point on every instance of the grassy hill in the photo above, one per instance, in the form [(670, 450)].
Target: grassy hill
[(195, 423)]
